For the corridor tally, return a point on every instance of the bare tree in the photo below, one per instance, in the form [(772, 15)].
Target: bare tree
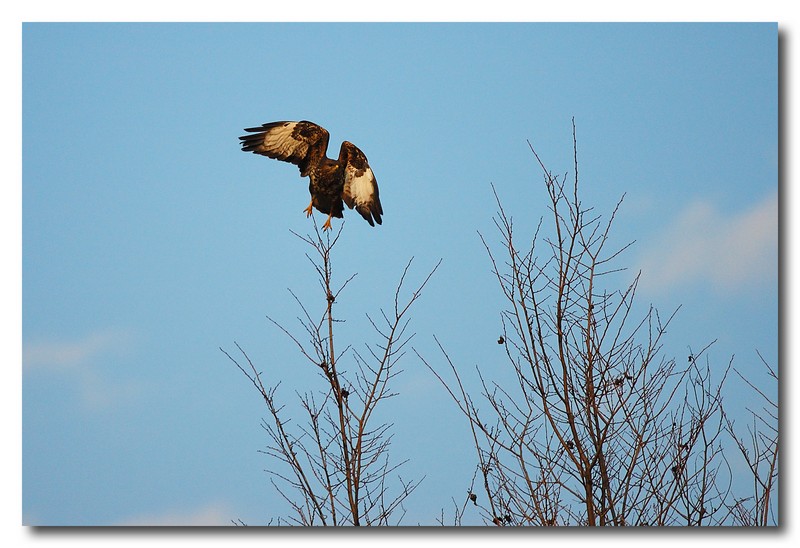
[(759, 449), (334, 469), (588, 423), (597, 426)]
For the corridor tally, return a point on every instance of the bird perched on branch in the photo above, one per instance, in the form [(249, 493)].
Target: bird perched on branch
[(348, 180)]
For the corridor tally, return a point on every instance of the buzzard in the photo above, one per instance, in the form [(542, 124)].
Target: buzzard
[(304, 144)]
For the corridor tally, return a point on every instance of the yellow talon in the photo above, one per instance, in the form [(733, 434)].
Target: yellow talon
[(327, 225), (308, 210)]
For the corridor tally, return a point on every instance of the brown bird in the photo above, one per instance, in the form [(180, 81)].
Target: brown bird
[(333, 183)]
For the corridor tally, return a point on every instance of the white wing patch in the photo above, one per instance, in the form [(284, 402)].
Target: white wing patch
[(361, 191), (279, 140), (359, 188)]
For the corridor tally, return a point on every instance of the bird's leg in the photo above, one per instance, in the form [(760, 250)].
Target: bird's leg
[(327, 225), (308, 210)]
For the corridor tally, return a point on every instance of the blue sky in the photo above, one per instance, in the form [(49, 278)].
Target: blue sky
[(149, 239)]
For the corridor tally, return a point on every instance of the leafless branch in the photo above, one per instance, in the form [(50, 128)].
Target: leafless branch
[(333, 469)]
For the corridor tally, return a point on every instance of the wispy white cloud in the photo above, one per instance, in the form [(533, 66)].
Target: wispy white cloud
[(84, 361), (211, 514), (49, 354), (703, 245)]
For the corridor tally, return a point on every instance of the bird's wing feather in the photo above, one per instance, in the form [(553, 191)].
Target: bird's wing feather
[(294, 142), (360, 186)]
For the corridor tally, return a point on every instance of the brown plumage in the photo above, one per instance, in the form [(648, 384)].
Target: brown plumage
[(333, 183)]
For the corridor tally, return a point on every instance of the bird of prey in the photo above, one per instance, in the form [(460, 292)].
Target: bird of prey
[(348, 179)]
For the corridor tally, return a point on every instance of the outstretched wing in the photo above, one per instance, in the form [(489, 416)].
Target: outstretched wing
[(360, 186), (300, 143)]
